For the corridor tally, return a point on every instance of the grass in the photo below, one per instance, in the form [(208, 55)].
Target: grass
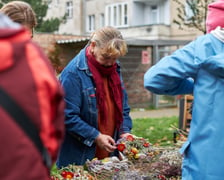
[(157, 130)]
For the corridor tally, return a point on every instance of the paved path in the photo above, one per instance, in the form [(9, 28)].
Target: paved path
[(165, 112)]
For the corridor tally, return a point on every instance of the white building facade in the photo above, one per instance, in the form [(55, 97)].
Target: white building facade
[(138, 19), (147, 26)]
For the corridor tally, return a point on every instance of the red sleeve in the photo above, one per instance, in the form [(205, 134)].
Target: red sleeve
[(50, 99)]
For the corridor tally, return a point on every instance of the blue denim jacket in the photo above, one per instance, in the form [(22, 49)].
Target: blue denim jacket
[(81, 113)]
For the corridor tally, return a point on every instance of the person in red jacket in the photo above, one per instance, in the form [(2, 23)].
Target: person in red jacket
[(28, 78)]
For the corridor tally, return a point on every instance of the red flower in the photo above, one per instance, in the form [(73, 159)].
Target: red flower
[(146, 144), (53, 178), (63, 174), (161, 177), (121, 147), (130, 138), (67, 174)]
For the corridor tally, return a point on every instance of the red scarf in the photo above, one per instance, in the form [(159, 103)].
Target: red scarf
[(115, 88)]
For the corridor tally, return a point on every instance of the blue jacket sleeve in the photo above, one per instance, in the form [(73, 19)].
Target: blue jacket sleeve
[(127, 122), (173, 74), (75, 125)]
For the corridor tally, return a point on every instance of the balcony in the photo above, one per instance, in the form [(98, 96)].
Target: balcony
[(147, 32)]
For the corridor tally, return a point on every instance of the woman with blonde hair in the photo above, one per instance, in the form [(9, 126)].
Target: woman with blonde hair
[(97, 110), (20, 12)]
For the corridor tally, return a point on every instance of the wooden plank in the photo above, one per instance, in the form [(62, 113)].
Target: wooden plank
[(188, 99)]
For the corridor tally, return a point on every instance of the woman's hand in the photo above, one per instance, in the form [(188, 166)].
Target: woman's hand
[(125, 135), (106, 142)]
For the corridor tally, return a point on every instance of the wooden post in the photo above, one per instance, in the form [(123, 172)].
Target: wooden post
[(188, 99)]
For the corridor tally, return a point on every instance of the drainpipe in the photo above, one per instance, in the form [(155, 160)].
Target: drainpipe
[(83, 17)]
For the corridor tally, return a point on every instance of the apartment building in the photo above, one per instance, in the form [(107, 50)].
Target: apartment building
[(147, 26), (141, 19)]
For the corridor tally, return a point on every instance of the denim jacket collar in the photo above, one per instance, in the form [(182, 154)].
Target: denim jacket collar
[(82, 62)]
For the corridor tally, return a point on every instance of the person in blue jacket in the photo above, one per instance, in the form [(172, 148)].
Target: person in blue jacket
[(198, 69), (97, 110)]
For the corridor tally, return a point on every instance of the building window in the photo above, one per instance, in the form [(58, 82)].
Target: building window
[(189, 9), (125, 14), (69, 9), (91, 23), (117, 15), (102, 20), (154, 15)]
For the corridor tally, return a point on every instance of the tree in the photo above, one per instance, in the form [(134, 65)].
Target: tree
[(192, 14), (40, 8)]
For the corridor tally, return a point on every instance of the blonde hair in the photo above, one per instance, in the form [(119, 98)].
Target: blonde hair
[(20, 12), (110, 40)]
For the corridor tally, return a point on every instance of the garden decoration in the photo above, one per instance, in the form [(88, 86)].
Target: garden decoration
[(71, 172), (139, 160)]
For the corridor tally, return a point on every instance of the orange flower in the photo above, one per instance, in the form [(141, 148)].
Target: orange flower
[(134, 150)]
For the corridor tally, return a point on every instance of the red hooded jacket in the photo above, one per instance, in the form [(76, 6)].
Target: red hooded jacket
[(27, 76)]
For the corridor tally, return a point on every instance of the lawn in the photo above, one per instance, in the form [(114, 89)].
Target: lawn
[(157, 130)]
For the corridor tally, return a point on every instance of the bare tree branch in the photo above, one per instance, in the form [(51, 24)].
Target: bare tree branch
[(192, 14)]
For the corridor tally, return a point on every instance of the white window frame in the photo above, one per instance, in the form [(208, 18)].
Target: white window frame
[(154, 14), (69, 9), (91, 23), (102, 20), (188, 11), (117, 14)]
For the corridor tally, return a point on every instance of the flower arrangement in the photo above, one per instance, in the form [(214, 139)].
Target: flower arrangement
[(139, 160), (150, 161), (133, 147), (105, 169), (71, 172)]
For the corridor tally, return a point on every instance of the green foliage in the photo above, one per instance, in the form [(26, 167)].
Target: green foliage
[(156, 130), (192, 14), (50, 25), (40, 8), (54, 169)]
